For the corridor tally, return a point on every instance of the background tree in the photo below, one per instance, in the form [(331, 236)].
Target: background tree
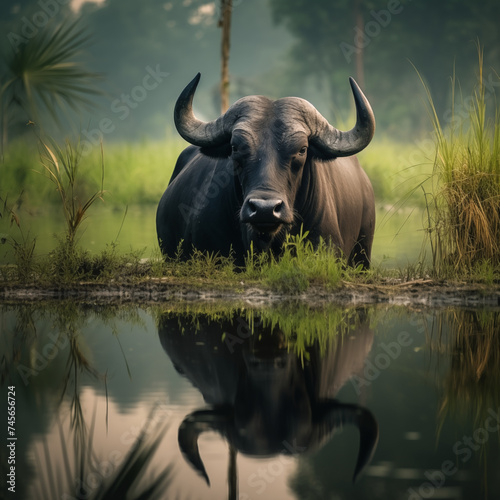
[(331, 43), (225, 25)]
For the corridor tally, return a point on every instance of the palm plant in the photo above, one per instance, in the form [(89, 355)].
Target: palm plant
[(43, 75)]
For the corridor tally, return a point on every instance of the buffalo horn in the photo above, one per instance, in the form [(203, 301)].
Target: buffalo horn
[(332, 142), (191, 428), (336, 415), (202, 134)]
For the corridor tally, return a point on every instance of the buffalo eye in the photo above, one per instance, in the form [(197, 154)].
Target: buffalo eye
[(234, 148), (303, 151)]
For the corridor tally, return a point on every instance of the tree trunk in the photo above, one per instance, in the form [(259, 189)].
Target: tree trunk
[(360, 71), (225, 24)]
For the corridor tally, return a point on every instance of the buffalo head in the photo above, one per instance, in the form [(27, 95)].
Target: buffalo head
[(270, 143)]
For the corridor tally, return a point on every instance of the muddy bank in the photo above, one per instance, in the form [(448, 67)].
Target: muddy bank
[(418, 292)]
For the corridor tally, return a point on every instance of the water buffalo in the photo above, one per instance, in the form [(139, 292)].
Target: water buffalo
[(264, 399), (263, 169)]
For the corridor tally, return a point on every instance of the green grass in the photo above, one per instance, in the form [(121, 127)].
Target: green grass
[(136, 173), (299, 267), (62, 167), (297, 325)]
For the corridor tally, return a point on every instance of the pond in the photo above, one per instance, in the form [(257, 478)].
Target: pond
[(214, 401)]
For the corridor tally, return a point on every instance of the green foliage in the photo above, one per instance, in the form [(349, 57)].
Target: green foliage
[(137, 173), (398, 169), (299, 325), (67, 262), (302, 325)]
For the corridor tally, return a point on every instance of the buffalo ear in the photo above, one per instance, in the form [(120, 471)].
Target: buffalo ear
[(222, 151)]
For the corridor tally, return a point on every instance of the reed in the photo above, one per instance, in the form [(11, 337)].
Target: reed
[(464, 209)]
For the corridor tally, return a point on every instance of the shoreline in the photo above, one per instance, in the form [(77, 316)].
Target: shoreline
[(421, 292)]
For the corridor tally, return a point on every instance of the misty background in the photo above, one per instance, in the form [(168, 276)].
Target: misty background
[(144, 53)]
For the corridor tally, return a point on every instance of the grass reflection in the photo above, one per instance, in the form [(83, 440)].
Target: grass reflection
[(48, 353), (470, 338), (300, 324)]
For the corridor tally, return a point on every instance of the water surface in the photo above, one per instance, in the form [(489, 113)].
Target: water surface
[(215, 401)]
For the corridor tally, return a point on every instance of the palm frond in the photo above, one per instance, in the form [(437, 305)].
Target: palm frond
[(45, 74)]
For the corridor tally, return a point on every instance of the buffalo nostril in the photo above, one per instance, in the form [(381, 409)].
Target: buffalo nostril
[(252, 206), (277, 209)]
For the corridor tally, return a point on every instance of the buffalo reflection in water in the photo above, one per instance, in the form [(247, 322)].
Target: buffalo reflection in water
[(264, 399)]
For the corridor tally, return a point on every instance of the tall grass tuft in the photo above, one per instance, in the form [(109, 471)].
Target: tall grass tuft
[(61, 165), (62, 168), (464, 212)]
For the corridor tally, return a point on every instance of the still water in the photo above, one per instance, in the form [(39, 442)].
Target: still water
[(216, 401)]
